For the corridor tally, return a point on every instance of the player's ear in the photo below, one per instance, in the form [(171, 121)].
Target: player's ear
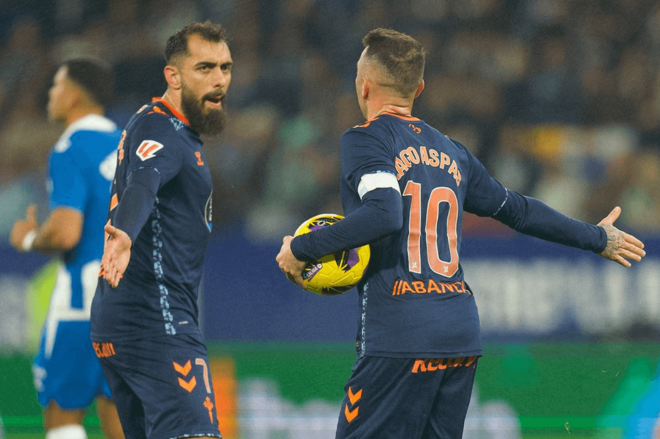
[(73, 95), (172, 76), (366, 86), (419, 89)]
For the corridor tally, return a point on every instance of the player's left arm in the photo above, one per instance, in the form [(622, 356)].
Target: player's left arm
[(533, 217), (621, 246), (488, 197)]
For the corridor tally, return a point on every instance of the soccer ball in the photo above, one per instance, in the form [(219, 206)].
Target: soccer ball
[(335, 273)]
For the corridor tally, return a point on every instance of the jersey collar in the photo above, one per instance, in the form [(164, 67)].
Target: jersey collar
[(400, 116), (176, 114)]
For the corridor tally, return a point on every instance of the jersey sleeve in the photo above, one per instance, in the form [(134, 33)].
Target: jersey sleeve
[(154, 144), (485, 195), (381, 213), (363, 153), (381, 208), (137, 201), (488, 197), (532, 217), (68, 188)]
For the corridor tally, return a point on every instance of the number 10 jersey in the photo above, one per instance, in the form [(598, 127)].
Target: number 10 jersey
[(414, 301)]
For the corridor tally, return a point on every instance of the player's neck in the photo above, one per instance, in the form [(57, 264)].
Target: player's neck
[(78, 113), (404, 110), (172, 100)]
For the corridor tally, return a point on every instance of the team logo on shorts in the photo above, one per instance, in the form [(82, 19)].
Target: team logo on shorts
[(353, 399), (147, 149), (433, 364), (185, 370)]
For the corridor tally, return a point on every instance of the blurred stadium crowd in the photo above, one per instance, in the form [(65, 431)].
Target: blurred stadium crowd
[(559, 98)]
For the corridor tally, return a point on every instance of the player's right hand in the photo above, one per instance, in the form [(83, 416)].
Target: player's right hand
[(289, 264), (116, 254), (620, 245), (22, 227)]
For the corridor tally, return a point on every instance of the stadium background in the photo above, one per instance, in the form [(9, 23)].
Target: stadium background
[(559, 98)]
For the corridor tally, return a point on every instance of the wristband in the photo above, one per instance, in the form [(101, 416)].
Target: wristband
[(28, 240)]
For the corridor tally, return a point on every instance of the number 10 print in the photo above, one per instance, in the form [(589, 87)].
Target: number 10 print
[(438, 195)]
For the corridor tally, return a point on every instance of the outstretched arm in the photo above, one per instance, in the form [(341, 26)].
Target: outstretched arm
[(621, 246), (132, 214), (532, 217)]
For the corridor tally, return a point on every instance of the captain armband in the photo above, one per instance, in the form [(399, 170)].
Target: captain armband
[(377, 180)]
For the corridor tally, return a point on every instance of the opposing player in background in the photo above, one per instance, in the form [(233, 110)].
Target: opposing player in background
[(81, 166), (404, 188), (144, 315)]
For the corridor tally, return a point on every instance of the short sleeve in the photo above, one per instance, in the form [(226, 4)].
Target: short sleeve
[(68, 188)]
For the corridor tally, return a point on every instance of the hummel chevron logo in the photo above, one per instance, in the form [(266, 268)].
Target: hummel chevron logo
[(188, 385), (353, 398), (184, 370), (351, 414)]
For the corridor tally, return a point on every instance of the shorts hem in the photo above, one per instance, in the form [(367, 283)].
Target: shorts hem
[(415, 355), (186, 436), (68, 407)]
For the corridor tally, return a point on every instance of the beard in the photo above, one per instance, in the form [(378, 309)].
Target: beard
[(209, 122)]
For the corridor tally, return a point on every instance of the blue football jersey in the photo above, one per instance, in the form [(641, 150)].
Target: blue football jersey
[(414, 301), (158, 292), (81, 166)]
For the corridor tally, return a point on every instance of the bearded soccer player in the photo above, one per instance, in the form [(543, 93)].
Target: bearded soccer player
[(145, 325), (404, 188)]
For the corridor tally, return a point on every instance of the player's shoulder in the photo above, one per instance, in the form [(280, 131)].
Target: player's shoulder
[(155, 118), (374, 127), (155, 127), (85, 131), (456, 145)]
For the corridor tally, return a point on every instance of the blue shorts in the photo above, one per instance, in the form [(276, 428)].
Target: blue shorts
[(161, 386), (407, 398), (66, 369)]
